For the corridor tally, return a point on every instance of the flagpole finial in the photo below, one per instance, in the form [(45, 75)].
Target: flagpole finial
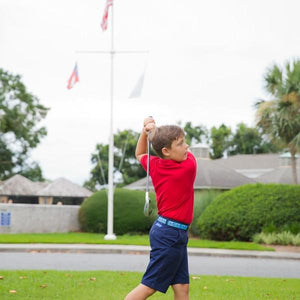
[(105, 14)]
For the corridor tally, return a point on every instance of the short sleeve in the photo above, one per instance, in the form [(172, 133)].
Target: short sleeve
[(144, 161)]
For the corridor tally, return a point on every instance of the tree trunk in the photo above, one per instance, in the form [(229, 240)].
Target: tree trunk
[(294, 164)]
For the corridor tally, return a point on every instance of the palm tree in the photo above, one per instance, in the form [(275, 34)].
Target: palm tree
[(280, 118)]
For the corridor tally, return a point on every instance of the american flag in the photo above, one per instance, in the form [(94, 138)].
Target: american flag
[(105, 15), (73, 78)]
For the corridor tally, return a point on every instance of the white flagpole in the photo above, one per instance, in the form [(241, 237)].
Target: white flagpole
[(110, 206)]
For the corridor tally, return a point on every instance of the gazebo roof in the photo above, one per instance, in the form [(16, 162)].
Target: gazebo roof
[(62, 187), (18, 185)]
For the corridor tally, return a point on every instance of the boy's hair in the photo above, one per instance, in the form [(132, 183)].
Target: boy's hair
[(164, 136)]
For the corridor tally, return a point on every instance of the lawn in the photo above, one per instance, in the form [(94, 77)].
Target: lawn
[(115, 285), (93, 238)]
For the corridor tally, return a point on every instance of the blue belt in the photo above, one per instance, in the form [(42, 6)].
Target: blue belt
[(172, 223)]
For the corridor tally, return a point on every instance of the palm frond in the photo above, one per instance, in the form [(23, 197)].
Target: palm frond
[(296, 141), (273, 80)]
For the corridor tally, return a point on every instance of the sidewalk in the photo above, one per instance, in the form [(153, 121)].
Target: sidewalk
[(129, 249)]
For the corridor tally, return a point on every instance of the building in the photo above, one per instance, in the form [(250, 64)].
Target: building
[(263, 168), (233, 171), (210, 174), (19, 189)]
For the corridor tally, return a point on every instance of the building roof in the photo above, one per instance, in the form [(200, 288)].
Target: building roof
[(140, 184), (251, 161), (279, 175), (18, 185), (238, 170), (210, 175)]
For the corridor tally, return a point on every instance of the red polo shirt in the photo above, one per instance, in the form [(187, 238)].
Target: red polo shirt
[(174, 186)]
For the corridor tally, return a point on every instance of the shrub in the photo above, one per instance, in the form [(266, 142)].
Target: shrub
[(296, 239), (283, 238), (269, 228), (240, 213), (128, 212), (202, 200), (293, 227), (265, 238)]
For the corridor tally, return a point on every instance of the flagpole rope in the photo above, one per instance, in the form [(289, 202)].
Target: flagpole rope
[(109, 52)]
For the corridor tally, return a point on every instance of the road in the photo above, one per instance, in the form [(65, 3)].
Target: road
[(199, 265)]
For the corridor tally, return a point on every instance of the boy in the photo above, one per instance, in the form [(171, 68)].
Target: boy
[(173, 174)]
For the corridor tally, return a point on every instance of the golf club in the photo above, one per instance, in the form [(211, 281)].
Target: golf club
[(147, 210)]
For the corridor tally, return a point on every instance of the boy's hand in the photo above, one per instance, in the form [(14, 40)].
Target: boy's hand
[(149, 124), (141, 147)]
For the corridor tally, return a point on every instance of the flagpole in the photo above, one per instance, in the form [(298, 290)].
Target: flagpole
[(110, 206)]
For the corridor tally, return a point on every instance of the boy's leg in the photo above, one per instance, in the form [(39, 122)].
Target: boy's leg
[(181, 291), (141, 292), (180, 283)]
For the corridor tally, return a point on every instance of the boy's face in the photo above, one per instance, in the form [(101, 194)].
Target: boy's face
[(178, 150)]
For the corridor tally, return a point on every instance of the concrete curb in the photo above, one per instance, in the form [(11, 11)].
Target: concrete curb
[(129, 249)]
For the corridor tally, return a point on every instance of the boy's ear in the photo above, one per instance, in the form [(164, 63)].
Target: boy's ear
[(165, 151)]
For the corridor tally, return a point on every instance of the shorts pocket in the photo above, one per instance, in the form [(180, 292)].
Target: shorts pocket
[(168, 236)]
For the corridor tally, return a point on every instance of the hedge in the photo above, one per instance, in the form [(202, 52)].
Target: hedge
[(240, 213), (128, 212), (201, 201)]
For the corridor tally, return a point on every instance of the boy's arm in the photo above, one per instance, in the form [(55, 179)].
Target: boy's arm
[(141, 147)]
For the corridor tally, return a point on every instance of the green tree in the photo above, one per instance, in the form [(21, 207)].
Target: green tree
[(219, 138), (99, 172), (250, 140), (280, 117), (194, 134), (32, 171), (6, 160), (20, 115), (125, 163)]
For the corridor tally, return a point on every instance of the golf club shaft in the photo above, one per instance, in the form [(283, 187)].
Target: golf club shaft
[(148, 162)]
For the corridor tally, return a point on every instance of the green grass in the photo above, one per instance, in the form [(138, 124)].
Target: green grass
[(93, 238), (115, 285)]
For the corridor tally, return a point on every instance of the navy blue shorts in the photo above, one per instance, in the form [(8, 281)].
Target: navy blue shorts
[(168, 258)]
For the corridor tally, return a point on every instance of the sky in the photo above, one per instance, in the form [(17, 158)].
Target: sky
[(204, 63)]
